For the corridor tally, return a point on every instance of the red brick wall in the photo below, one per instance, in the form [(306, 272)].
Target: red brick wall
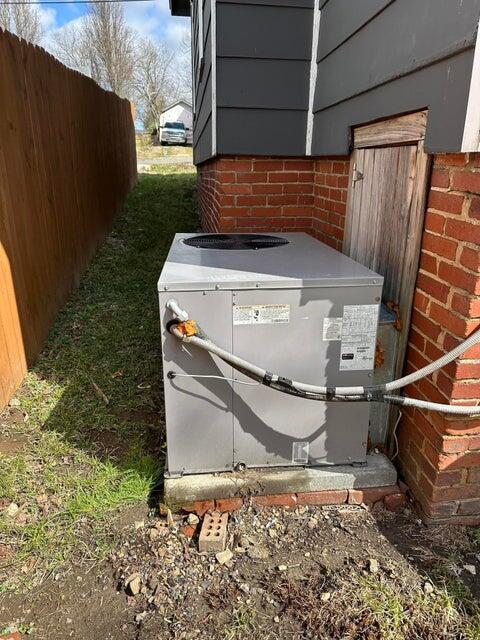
[(440, 455), (331, 187), (256, 194), (273, 194)]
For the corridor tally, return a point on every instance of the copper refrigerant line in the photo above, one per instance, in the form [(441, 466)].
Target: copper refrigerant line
[(188, 331)]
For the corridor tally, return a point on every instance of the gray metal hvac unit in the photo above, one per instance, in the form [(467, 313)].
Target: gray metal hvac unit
[(289, 304)]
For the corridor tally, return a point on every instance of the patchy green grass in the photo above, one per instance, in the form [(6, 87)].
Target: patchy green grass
[(361, 605), (457, 598), (400, 612), (90, 410), (475, 536), (242, 622)]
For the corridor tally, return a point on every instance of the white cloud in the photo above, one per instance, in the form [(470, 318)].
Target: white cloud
[(176, 32), (146, 17), (48, 17), (153, 20)]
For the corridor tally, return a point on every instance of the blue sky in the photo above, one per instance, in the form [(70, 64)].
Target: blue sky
[(151, 18)]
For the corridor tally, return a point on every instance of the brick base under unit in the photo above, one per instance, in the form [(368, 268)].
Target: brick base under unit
[(439, 455), (391, 497)]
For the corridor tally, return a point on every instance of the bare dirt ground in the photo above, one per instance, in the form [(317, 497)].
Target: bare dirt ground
[(309, 572)]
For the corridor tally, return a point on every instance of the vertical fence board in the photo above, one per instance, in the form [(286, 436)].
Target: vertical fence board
[(67, 163)]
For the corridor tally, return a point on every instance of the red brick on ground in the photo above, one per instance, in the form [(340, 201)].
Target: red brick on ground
[(228, 504), (323, 497), (370, 495), (280, 500), (200, 507), (395, 502), (188, 530)]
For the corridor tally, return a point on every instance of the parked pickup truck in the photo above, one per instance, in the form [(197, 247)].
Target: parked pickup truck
[(173, 133)]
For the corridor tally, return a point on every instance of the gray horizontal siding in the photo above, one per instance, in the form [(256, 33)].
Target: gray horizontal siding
[(263, 67), (341, 18), (205, 111), (409, 55), (261, 31), (202, 123), (296, 4), (263, 84), (202, 149), (376, 59), (435, 87), (206, 16), (261, 132), (204, 94), (404, 37)]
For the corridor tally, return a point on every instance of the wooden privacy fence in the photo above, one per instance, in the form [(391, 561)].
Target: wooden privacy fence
[(67, 163)]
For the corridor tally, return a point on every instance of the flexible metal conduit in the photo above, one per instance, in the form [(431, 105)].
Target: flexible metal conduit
[(381, 393)]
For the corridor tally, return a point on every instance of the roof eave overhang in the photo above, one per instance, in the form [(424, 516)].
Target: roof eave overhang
[(180, 7)]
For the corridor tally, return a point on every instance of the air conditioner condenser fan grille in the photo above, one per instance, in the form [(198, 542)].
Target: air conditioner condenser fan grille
[(235, 241)]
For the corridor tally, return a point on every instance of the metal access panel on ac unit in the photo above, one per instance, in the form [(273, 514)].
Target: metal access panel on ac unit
[(299, 309)]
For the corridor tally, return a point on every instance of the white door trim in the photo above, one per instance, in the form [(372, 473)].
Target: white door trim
[(471, 131), (313, 76)]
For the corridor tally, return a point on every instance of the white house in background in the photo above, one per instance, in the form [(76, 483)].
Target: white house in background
[(180, 111)]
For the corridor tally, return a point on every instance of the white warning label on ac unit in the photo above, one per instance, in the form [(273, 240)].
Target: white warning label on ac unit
[(261, 314), (332, 328), (359, 332)]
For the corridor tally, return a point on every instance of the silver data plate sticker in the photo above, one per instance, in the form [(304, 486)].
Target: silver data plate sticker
[(261, 314), (359, 332), (332, 328), (300, 452)]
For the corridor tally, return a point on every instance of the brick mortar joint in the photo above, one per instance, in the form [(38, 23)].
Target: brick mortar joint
[(446, 437), (461, 244), (454, 263), (448, 215), (452, 291), (437, 323)]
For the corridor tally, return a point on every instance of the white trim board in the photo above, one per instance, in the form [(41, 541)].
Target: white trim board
[(200, 35), (192, 61), (313, 76), (471, 131), (213, 72)]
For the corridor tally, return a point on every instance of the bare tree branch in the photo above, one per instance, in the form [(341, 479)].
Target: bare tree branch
[(23, 20), (101, 46), (184, 66), (104, 47), (68, 45), (154, 81), (112, 45)]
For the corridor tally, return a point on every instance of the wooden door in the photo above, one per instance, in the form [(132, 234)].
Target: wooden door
[(385, 208)]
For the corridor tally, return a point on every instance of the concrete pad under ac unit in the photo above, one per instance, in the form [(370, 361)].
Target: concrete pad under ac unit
[(377, 472)]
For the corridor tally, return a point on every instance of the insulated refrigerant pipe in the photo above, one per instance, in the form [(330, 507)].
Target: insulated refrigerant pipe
[(379, 393), (264, 377)]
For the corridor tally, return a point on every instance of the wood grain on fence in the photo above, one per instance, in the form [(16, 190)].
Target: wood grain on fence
[(67, 163)]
